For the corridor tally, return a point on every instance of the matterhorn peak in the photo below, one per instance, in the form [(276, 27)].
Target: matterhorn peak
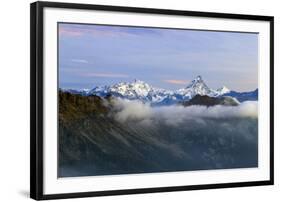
[(198, 78), (197, 81)]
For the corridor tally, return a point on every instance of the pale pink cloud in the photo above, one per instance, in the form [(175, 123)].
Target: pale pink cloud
[(104, 33), (78, 31), (110, 33), (70, 32), (105, 75), (175, 81), (79, 61)]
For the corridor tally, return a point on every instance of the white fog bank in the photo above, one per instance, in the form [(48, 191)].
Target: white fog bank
[(127, 110)]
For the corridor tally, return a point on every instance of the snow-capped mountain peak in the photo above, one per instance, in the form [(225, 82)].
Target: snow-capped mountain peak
[(196, 86), (140, 90), (197, 81), (75, 91), (223, 90), (137, 88)]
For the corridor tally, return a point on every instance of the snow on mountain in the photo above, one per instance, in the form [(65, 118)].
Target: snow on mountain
[(222, 90), (99, 90), (196, 87), (136, 89), (132, 91), (139, 90), (244, 96), (75, 91)]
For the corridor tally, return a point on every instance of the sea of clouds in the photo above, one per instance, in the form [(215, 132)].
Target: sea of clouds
[(136, 111)]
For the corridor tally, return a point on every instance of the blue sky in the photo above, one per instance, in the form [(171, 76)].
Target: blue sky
[(91, 55)]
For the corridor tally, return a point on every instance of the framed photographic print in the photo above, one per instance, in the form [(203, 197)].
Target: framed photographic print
[(136, 100)]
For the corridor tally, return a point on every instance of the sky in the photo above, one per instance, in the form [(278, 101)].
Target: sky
[(94, 55)]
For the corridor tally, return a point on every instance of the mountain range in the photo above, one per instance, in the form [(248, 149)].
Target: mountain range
[(139, 90)]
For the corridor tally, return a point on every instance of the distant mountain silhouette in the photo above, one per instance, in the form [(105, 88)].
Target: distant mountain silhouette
[(205, 100)]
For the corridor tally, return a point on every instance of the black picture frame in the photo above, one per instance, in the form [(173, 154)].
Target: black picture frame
[(36, 99)]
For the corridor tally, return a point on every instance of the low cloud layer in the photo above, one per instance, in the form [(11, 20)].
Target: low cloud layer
[(132, 110), (127, 111)]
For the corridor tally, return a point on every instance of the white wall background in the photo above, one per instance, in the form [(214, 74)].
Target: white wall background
[(14, 100)]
